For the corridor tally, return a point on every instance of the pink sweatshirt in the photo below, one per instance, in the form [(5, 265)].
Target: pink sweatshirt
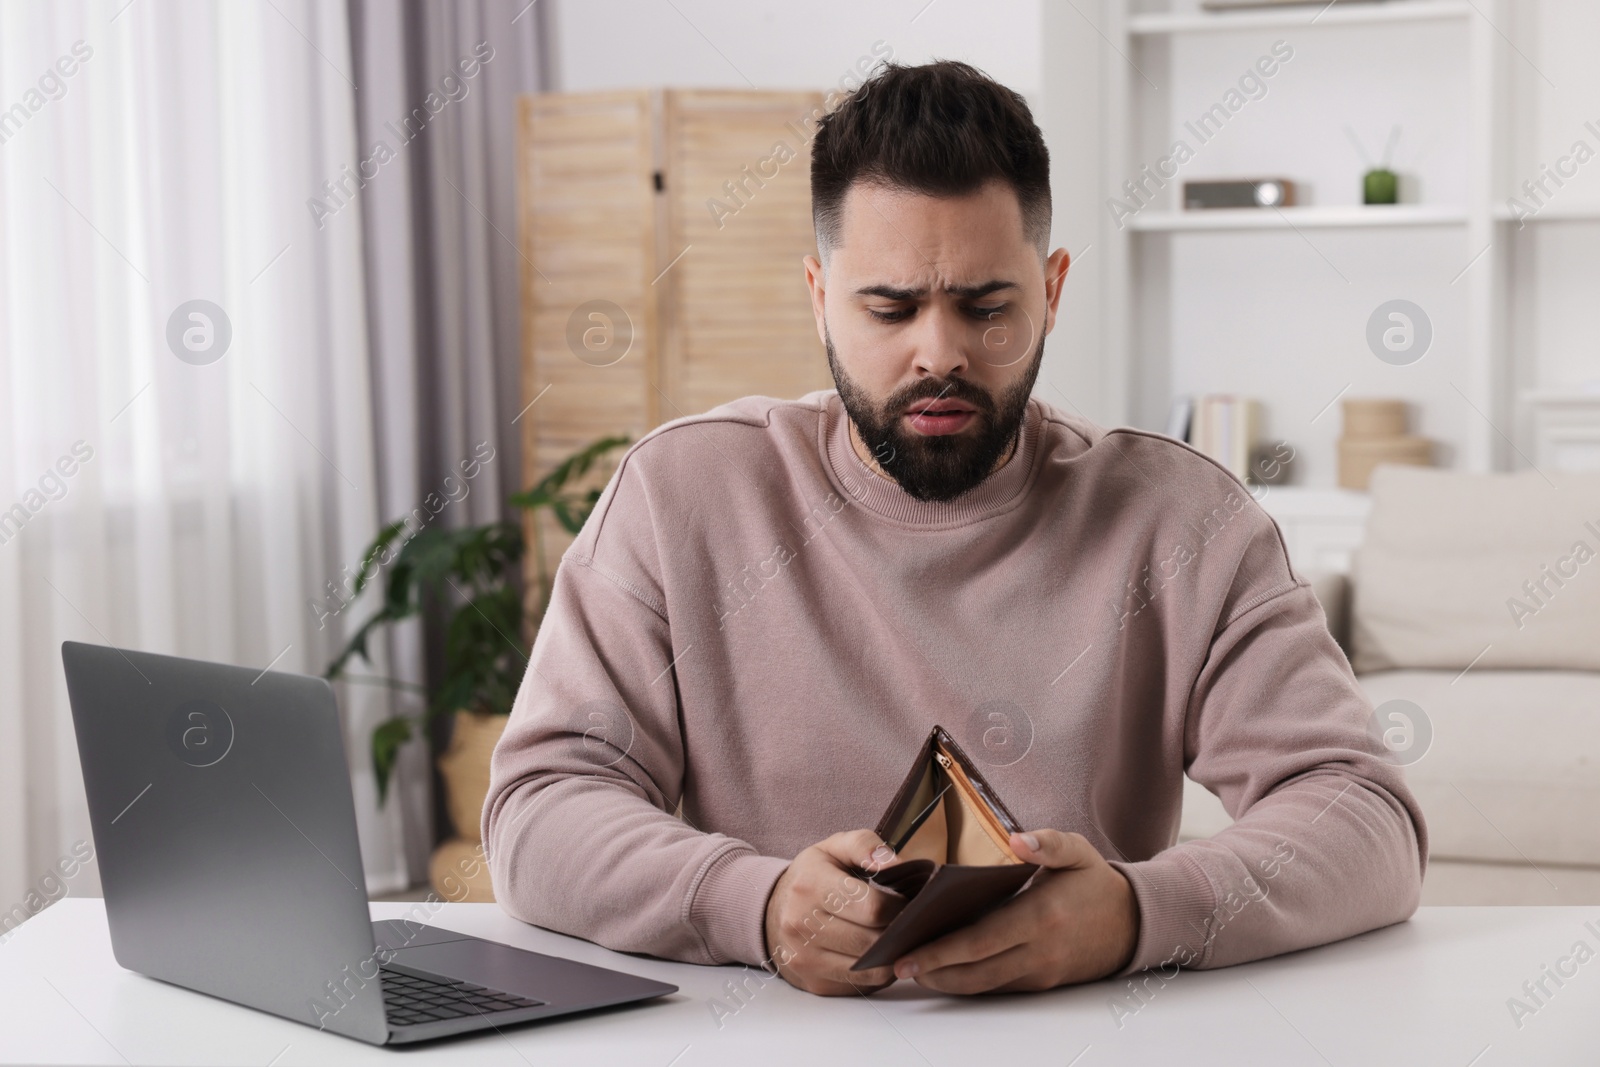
[(755, 626)]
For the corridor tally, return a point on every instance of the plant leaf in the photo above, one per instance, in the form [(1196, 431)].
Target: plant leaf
[(548, 489), (387, 737), (475, 571)]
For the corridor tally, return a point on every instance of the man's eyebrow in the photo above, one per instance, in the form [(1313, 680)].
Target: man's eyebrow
[(967, 292)]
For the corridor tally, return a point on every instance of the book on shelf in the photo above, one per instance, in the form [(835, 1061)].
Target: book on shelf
[(1225, 427)]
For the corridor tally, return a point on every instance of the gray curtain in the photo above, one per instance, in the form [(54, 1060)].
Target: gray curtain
[(436, 88)]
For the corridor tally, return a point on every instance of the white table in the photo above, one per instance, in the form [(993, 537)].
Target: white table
[(1430, 991)]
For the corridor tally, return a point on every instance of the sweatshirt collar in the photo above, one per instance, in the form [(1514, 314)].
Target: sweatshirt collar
[(884, 497)]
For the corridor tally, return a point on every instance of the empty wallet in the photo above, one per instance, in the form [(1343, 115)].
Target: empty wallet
[(952, 835)]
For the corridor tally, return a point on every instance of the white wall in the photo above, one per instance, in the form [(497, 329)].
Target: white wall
[(784, 44), (1556, 83), (1076, 375)]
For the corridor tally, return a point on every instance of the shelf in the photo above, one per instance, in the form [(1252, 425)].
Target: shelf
[(1580, 396), (1351, 217), (1553, 214), (1436, 65), (1346, 13)]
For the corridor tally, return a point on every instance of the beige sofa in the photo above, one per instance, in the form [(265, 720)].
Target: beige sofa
[(1476, 598)]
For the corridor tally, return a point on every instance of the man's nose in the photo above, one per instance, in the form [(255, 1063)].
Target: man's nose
[(942, 344)]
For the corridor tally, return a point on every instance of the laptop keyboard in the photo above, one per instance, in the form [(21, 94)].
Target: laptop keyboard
[(409, 998)]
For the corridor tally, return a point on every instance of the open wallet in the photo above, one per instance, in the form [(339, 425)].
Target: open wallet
[(952, 835)]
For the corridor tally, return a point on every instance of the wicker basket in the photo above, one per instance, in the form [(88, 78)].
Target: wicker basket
[(459, 873), (464, 765), (1358, 459), (1375, 433), (1371, 419), (457, 870)]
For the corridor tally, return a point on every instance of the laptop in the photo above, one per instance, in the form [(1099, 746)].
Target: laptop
[(225, 829)]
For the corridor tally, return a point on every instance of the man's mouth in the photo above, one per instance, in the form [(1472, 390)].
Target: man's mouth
[(939, 417)]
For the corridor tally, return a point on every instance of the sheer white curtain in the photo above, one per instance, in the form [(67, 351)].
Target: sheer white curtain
[(196, 506)]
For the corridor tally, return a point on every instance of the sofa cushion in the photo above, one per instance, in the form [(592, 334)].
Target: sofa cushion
[(1513, 769), (1500, 570)]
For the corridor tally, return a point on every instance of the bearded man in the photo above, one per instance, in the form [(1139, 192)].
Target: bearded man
[(774, 604)]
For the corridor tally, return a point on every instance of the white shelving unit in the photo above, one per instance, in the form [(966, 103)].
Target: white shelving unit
[(1294, 18), (1492, 97), (1274, 303), (1310, 218), (1503, 213)]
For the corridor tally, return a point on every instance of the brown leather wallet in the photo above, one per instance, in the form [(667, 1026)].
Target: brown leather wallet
[(952, 835)]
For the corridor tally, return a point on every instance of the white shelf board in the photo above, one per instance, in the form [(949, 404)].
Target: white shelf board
[(1306, 16), (1297, 218), (1551, 214), (1578, 396)]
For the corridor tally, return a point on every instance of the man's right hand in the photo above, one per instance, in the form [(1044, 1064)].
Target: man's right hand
[(821, 917)]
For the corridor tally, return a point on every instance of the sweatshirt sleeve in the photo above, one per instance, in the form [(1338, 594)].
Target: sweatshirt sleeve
[(1328, 840), (578, 823)]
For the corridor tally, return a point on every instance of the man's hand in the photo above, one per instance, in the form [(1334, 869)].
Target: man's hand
[(821, 917), (1077, 922)]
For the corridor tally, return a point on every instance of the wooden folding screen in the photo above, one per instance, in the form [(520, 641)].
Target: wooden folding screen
[(662, 234)]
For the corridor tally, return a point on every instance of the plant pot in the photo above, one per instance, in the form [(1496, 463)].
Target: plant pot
[(464, 767), (459, 873), (1380, 186)]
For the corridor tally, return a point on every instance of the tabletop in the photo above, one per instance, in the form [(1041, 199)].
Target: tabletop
[(1455, 986)]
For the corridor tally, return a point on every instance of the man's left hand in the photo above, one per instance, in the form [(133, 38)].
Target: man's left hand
[(1077, 922)]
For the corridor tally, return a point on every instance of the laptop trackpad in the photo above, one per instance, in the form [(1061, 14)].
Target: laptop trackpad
[(528, 974), (396, 934)]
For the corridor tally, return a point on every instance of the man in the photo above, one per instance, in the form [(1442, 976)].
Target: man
[(774, 603)]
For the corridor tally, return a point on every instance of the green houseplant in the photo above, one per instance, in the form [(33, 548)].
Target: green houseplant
[(474, 572)]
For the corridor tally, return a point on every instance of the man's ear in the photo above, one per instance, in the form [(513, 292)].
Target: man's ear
[(1055, 279), (817, 283)]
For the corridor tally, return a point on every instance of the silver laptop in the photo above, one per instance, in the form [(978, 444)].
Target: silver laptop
[(226, 834)]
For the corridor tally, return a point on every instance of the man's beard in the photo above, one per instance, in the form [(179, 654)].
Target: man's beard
[(936, 467)]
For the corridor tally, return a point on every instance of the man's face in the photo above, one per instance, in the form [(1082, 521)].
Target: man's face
[(934, 312)]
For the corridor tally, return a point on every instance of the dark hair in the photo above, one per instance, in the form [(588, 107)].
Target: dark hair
[(943, 129)]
